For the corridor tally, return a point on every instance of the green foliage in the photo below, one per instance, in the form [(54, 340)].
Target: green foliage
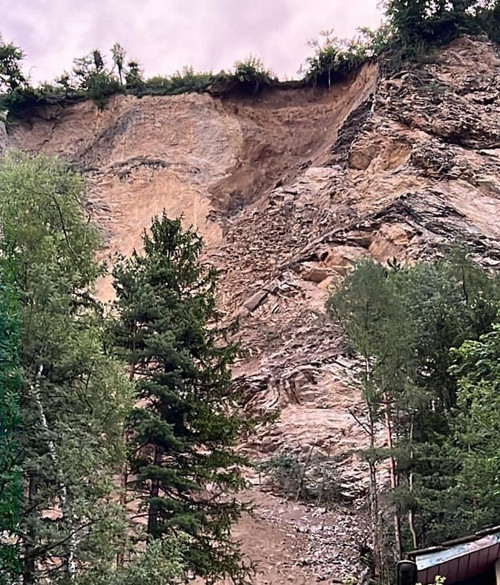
[(12, 79), (162, 563), (284, 471), (476, 426), (184, 81), (74, 396), (11, 75), (183, 430), (412, 28), (90, 78), (26, 99), (420, 24), (93, 78), (313, 479), (251, 74), (489, 19), (334, 59), (158, 562), (10, 419), (403, 323), (134, 80)]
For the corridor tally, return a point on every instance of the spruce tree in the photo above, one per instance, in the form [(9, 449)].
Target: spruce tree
[(182, 433)]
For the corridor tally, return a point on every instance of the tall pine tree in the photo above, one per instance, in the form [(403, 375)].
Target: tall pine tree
[(183, 430)]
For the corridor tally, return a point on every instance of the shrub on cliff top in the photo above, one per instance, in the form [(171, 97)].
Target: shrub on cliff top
[(432, 22), (334, 58), (252, 73), (185, 81)]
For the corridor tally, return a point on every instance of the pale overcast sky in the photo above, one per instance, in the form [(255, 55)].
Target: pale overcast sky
[(164, 35)]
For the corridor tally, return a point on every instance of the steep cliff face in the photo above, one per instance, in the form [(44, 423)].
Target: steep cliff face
[(289, 188)]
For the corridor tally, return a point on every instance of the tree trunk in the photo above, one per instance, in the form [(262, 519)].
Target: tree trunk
[(154, 492), (393, 476), (120, 557), (411, 519), (374, 503), (66, 505), (29, 565)]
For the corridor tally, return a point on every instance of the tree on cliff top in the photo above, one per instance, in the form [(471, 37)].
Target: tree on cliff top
[(415, 23), (11, 75)]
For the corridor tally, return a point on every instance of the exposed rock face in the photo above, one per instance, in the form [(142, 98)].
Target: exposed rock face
[(289, 189)]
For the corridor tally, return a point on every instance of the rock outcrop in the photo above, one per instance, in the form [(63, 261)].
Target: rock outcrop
[(289, 189)]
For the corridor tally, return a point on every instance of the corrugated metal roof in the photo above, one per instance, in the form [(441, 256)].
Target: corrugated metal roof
[(467, 558)]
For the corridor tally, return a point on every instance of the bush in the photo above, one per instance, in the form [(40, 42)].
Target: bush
[(185, 81), (25, 99), (284, 472), (313, 479), (162, 563), (251, 74), (334, 59), (101, 86), (425, 23)]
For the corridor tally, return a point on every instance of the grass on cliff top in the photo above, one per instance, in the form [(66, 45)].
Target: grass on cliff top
[(413, 29)]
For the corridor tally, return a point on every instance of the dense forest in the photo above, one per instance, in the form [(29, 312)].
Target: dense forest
[(427, 341), (119, 424)]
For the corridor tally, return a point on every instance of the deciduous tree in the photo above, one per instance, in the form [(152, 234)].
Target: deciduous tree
[(74, 396)]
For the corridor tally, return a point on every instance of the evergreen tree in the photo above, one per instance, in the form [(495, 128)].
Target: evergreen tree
[(74, 396), (183, 431)]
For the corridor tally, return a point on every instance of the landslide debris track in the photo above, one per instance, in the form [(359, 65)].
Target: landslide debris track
[(289, 188)]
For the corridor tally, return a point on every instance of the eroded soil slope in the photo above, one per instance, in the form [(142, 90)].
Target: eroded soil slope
[(289, 188)]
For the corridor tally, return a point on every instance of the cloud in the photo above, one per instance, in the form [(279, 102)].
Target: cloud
[(164, 35)]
